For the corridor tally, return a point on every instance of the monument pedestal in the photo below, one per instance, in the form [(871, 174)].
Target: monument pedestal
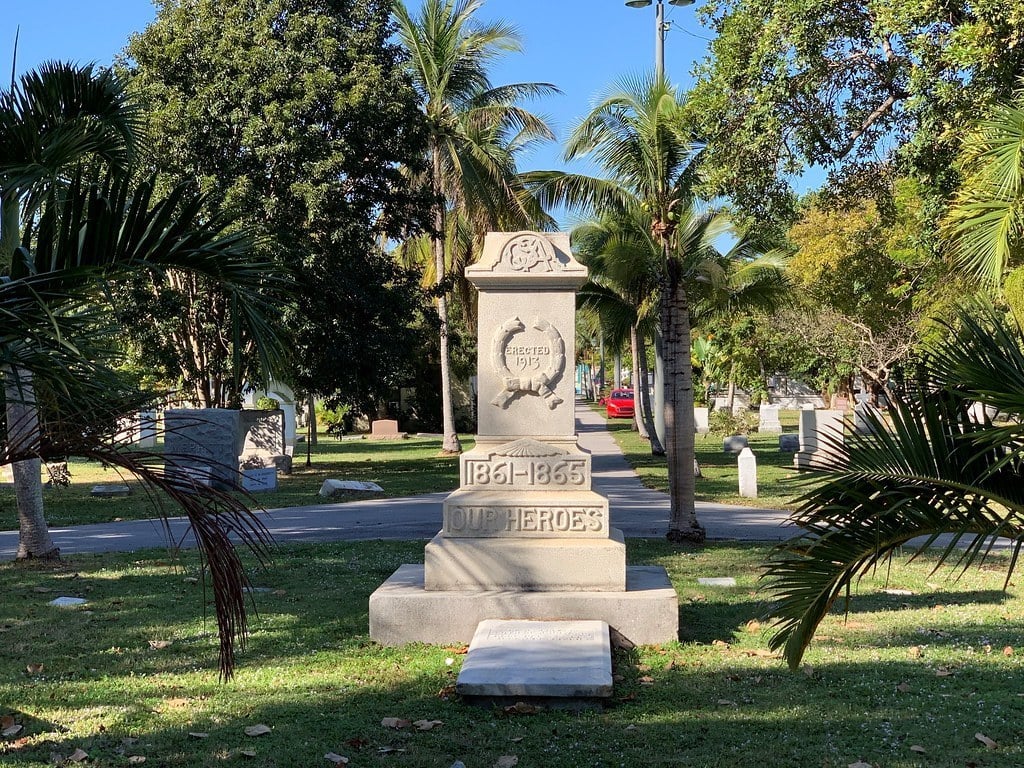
[(402, 611), (525, 536)]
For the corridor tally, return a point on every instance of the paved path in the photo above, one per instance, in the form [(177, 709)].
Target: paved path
[(638, 511)]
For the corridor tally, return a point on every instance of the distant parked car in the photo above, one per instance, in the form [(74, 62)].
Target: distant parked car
[(620, 404)]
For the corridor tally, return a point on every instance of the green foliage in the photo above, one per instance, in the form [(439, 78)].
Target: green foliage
[(267, 404), (722, 423), (298, 116), (852, 87), (925, 470)]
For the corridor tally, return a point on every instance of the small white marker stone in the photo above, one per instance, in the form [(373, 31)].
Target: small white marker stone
[(65, 602), (717, 581)]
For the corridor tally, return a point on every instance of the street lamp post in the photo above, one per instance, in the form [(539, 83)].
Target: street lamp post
[(660, 27)]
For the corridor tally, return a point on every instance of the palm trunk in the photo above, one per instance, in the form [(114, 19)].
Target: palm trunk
[(23, 436), (451, 442), (644, 402), (638, 416), (659, 389), (679, 424)]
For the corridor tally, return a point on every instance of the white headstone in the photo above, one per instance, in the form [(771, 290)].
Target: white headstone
[(747, 462), (768, 420), (700, 420), (819, 431)]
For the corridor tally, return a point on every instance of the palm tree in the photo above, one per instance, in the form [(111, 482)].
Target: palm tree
[(471, 127), (933, 471), (67, 135), (624, 262), (986, 221), (636, 135)]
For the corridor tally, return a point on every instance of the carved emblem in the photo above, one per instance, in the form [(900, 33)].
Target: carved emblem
[(527, 360), (528, 447), (527, 252)]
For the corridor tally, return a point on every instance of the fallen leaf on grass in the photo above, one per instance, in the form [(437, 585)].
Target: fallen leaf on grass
[(918, 748), (34, 669), (646, 680), (763, 653), (943, 672), (11, 730), (395, 722), (903, 687), (447, 692), (914, 652), (507, 761), (1008, 650), (41, 590), (136, 760), (989, 744), (78, 756), (389, 750), (247, 752), (522, 708), (336, 759), (898, 592), (158, 645), (426, 725), (753, 625), (258, 730), (198, 735), (190, 580), (720, 644), (726, 703)]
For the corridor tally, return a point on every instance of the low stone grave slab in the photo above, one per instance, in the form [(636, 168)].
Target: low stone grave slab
[(110, 491), (386, 429), (341, 487), (563, 659)]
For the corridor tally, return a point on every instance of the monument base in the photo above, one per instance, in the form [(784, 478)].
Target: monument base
[(529, 565), (402, 611)]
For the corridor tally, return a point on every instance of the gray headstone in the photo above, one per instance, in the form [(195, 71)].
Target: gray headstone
[(567, 659), (789, 443), (716, 581), (67, 602), (208, 437), (734, 443)]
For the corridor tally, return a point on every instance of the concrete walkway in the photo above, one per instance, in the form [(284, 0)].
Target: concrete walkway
[(638, 511)]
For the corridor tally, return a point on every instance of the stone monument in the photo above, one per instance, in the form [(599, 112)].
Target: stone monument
[(819, 431), (524, 536)]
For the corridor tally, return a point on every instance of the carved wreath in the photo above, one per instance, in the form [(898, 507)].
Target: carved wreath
[(538, 384)]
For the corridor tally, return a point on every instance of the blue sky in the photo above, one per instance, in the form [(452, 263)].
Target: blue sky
[(581, 46)]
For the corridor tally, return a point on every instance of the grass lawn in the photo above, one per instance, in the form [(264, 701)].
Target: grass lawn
[(400, 467), (777, 479), (907, 680)]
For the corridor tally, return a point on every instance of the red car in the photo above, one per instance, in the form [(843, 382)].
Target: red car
[(619, 404)]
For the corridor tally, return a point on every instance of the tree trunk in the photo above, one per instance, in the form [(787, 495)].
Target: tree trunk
[(679, 423), (618, 370), (638, 416), (23, 436), (451, 442), (644, 403), (659, 390)]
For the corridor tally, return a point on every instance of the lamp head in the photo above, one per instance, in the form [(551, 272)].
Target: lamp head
[(681, 2), (638, 3)]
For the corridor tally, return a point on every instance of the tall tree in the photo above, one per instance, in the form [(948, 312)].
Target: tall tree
[(299, 117), (636, 134), (468, 167), (855, 87)]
